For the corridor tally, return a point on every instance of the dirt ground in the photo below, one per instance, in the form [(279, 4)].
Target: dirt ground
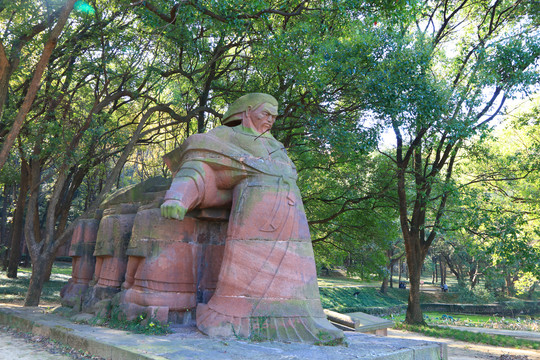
[(459, 350)]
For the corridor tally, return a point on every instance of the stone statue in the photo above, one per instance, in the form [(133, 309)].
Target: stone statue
[(83, 242), (267, 284), (228, 241)]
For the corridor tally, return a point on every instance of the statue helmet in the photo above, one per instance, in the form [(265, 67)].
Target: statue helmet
[(233, 116)]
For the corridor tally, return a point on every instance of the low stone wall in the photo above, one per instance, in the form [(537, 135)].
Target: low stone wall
[(509, 308)]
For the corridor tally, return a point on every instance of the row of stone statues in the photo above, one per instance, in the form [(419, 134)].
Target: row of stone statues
[(226, 240)]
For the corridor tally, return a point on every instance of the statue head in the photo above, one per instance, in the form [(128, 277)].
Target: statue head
[(255, 110)]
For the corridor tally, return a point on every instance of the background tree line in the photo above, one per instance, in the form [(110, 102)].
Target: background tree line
[(92, 93)]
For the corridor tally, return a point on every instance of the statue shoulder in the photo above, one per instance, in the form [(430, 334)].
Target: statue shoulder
[(222, 132)]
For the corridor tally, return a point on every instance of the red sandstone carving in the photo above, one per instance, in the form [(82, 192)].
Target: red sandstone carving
[(267, 283), (83, 242), (250, 273)]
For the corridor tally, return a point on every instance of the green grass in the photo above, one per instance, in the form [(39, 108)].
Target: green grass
[(525, 323), (338, 281), (140, 325), (343, 299), (467, 336), (13, 291)]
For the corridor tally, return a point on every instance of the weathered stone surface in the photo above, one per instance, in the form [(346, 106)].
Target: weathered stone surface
[(111, 245), (188, 343), (267, 286), (228, 239), (83, 242), (114, 234), (99, 262), (172, 263), (142, 193)]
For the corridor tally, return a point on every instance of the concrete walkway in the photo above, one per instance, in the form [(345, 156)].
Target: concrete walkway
[(13, 347), (460, 350), (518, 334), (188, 343)]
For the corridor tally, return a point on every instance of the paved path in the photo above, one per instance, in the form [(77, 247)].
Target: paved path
[(14, 347), (518, 334), (188, 343), (459, 350)]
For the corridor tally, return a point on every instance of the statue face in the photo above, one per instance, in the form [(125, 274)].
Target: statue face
[(263, 117)]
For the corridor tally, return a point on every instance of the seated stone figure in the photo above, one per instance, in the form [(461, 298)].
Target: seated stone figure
[(267, 285), (228, 241), (113, 234), (172, 264), (83, 242)]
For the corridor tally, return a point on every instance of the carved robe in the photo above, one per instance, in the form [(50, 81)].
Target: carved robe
[(267, 284)]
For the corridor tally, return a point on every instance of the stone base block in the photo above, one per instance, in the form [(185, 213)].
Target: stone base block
[(72, 295), (95, 294)]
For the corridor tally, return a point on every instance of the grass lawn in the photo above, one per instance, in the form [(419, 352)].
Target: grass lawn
[(339, 281), (361, 298), (425, 284), (524, 323), (13, 291)]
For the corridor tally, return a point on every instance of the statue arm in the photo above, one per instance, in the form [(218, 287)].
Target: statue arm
[(187, 189)]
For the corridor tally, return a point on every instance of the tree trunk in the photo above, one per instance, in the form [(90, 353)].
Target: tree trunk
[(18, 224), (42, 251), (400, 270), (443, 272), (384, 285), (4, 243), (392, 275), (509, 281), (40, 268), (5, 74), (454, 268), (414, 312)]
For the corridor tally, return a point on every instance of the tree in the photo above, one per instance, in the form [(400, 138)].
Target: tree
[(81, 113), (74, 127), (491, 228), (8, 66), (435, 100), (440, 74)]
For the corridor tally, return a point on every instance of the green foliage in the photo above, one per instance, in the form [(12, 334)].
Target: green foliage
[(476, 295), (352, 220), (143, 324), (492, 224)]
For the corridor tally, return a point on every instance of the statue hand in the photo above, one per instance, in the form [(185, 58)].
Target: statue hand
[(173, 209)]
